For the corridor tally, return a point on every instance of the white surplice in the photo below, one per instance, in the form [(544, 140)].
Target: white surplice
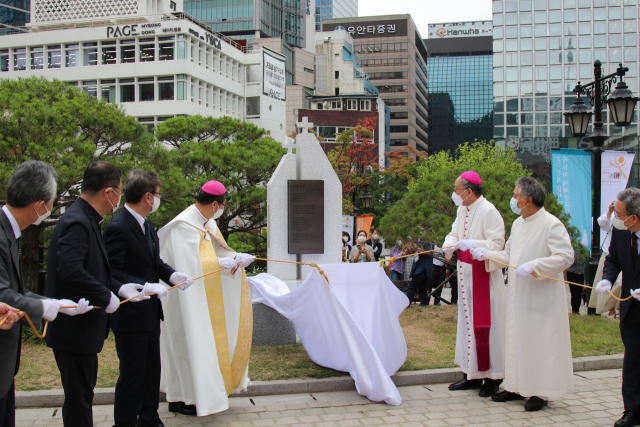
[(482, 223), (538, 342), (192, 371), (349, 323)]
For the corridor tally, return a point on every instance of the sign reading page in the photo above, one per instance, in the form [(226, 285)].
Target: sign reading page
[(273, 78), (306, 217)]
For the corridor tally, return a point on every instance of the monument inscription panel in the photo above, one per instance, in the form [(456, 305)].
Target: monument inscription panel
[(306, 216)]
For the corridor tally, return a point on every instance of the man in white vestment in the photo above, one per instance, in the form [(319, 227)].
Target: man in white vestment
[(538, 345), (205, 338), (481, 304)]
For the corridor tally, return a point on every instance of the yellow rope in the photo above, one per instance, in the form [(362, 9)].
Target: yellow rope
[(393, 258), (558, 280)]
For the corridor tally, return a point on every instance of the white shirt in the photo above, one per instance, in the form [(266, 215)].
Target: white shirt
[(137, 216), (14, 223), (436, 261), (605, 226)]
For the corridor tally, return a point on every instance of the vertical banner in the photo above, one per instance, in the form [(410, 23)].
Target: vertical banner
[(616, 168), (571, 178), (363, 222), (347, 225), (273, 78)]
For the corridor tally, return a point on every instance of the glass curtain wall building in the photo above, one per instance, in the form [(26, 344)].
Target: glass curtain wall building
[(14, 13), (242, 19), (542, 48), (459, 72), (329, 9)]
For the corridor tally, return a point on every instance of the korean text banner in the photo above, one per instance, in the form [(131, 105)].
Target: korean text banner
[(363, 222), (347, 225), (571, 178), (616, 167), (273, 79)]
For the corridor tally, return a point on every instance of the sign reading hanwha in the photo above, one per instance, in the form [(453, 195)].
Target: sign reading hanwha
[(461, 29)]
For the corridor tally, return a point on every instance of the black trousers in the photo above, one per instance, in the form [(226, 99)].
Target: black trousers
[(8, 408), (418, 285), (138, 387), (453, 282), (79, 373), (576, 291), (437, 277), (630, 332)]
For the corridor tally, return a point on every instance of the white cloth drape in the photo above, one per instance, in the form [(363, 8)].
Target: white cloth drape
[(538, 346), (349, 324), (482, 223)]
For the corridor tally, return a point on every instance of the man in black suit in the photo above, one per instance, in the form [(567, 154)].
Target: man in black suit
[(623, 257), (134, 256), (421, 273), (78, 268), (30, 195)]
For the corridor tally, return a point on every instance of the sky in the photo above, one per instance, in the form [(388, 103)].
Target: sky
[(425, 12)]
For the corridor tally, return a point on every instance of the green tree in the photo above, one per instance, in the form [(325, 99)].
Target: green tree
[(59, 124), (427, 212), (236, 153)]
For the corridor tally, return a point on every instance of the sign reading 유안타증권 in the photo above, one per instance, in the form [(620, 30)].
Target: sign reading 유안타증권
[(377, 28), (273, 76), (306, 217)]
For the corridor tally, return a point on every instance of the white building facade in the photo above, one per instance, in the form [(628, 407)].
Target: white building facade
[(155, 62)]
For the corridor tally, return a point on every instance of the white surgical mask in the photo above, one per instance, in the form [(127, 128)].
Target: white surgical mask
[(345, 239), (114, 208), (375, 237), (513, 204), (399, 243), (218, 213), (457, 199), (618, 223), (156, 204), (41, 217), (361, 239)]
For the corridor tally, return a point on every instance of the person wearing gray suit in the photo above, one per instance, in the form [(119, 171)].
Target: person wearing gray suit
[(30, 195)]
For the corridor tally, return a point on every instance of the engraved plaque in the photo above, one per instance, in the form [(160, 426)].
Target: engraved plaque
[(306, 216)]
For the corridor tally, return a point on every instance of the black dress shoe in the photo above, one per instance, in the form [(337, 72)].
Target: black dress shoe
[(488, 390), (182, 408), (535, 404), (465, 384), (506, 396), (628, 419), (152, 424)]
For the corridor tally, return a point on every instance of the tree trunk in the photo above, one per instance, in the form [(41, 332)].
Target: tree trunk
[(30, 242)]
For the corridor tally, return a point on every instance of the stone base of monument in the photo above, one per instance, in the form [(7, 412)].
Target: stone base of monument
[(270, 327)]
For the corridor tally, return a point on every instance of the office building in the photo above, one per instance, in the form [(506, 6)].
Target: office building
[(329, 9), (542, 48), (460, 73), (14, 15), (155, 62), (391, 50)]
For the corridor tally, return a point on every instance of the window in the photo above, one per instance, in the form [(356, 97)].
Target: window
[(337, 91), (400, 115), (90, 55), (336, 105), (90, 88), (395, 101), (108, 90), (182, 50), (19, 59), (165, 50), (127, 93), (165, 91), (54, 56), (399, 129), (308, 70), (72, 56), (37, 58), (127, 51), (147, 50), (319, 105), (352, 104), (365, 105), (337, 74), (146, 91), (108, 53), (172, 5), (4, 60)]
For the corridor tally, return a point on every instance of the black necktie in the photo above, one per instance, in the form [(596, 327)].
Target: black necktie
[(634, 248), (147, 233), (19, 242)]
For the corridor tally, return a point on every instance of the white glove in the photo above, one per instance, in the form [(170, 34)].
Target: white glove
[(479, 253), (155, 288), (50, 308), (524, 270), (603, 286), (450, 250), (227, 263), (113, 304), (177, 278), (636, 294), (81, 307), (465, 245), (244, 260), (132, 290)]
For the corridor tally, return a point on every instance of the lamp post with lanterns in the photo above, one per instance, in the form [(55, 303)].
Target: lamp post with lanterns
[(621, 104)]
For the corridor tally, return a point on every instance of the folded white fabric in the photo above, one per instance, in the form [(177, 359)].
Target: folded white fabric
[(336, 325)]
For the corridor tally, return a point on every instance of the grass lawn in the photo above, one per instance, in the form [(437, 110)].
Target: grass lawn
[(430, 334)]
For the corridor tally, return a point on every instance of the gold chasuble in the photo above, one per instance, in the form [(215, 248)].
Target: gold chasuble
[(205, 339)]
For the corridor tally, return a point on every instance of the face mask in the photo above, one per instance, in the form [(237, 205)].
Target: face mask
[(457, 199), (218, 213), (41, 217), (618, 223), (361, 239), (114, 208), (399, 243), (156, 204), (375, 237), (345, 239), (513, 203)]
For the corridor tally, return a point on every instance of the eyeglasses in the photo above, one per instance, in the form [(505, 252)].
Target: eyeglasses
[(159, 193)]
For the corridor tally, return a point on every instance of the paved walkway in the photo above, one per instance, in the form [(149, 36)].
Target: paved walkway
[(596, 402)]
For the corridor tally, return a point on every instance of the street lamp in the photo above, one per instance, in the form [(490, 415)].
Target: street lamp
[(365, 198), (621, 105)]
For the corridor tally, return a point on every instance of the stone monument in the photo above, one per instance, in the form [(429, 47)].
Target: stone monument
[(308, 163)]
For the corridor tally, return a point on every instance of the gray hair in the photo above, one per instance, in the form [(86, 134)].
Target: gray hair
[(530, 187), (631, 198), (476, 188), (31, 182)]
